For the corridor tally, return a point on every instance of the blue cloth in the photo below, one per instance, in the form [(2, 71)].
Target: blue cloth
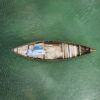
[(36, 51), (37, 47)]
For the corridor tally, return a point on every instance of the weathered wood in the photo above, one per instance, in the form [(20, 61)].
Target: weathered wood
[(54, 50), (63, 50)]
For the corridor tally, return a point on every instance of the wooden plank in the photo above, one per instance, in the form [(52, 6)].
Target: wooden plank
[(63, 51), (44, 49), (80, 50), (66, 51)]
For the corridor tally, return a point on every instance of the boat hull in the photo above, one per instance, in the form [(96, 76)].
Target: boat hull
[(50, 50)]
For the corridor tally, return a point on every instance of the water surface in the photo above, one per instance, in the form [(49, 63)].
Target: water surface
[(23, 21)]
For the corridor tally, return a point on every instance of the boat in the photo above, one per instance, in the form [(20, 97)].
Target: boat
[(51, 50)]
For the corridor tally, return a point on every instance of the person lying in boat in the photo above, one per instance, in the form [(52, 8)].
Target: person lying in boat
[(36, 51)]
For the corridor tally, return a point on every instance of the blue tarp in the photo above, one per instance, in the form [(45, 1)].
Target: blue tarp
[(36, 51), (38, 47)]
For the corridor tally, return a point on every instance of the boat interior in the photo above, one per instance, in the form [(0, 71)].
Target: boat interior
[(51, 50)]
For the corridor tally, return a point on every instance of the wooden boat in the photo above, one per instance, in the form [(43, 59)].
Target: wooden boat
[(50, 50)]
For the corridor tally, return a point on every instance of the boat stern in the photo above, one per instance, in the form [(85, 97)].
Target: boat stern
[(92, 49), (86, 50)]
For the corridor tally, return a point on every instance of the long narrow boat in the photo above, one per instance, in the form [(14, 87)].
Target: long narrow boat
[(50, 50)]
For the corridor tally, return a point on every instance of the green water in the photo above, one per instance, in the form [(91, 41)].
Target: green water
[(23, 21)]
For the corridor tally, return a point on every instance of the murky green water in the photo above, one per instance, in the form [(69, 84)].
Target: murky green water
[(23, 21)]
